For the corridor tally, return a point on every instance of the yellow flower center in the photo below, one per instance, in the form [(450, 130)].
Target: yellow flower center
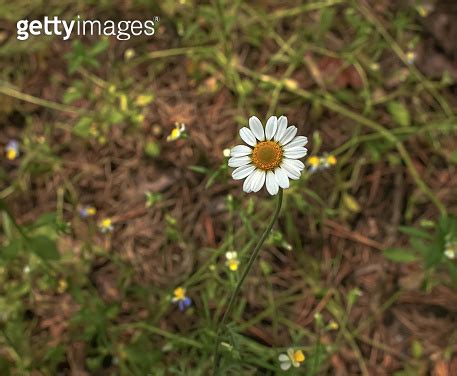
[(331, 160), (313, 161), (180, 293), (11, 154), (267, 155), (233, 265), (175, 133), (299, 356), (106, 223)]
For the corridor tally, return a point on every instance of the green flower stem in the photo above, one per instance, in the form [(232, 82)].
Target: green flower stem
[(235, 292)]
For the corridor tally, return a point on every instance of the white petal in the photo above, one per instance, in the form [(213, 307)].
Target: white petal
[(242, 172), (247, 136), (288, 135), (239, 161), (271, 127), (281, 178), (291, 169), (296, 163), (282, 125), (292, 174), (240, 151), (247, 183), (271, 183), (258, 180), (283, 358), (297, 141), (256, 128), (285, 365), (296, 153)]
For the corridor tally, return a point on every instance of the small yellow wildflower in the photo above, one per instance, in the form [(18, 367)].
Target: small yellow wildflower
[(374, 66), (232, 261), (178, 132), (291, 358), (226, 153), (129, 53), (62, 287), (332, 325), (181, 298), (314, 161), (139, 118), (87, 211), (179, 293), (106, 225), (331, 160), (411, 57), (12, 150), (93, 130), (424, 9), (144, 100), (112, 89), (317, 163)]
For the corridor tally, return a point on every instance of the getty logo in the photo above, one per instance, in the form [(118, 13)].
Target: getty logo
[(122, 30)]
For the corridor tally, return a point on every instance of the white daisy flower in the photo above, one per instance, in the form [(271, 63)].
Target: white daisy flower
[(272, 157)]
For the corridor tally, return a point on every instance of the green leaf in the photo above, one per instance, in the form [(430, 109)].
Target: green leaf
[(399, 113), (415, 232), (213, 178), (71, 95), (198, 169), (99, 47), (44, 248), (326, 20), (152, 149), (82, 127), (115, 117), (419, 246), (46, 219), (11, 250), (399, 255)]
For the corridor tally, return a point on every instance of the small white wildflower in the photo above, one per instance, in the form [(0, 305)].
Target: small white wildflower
[(232, 261), (450, 254), (450, 248), (291, 358)]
